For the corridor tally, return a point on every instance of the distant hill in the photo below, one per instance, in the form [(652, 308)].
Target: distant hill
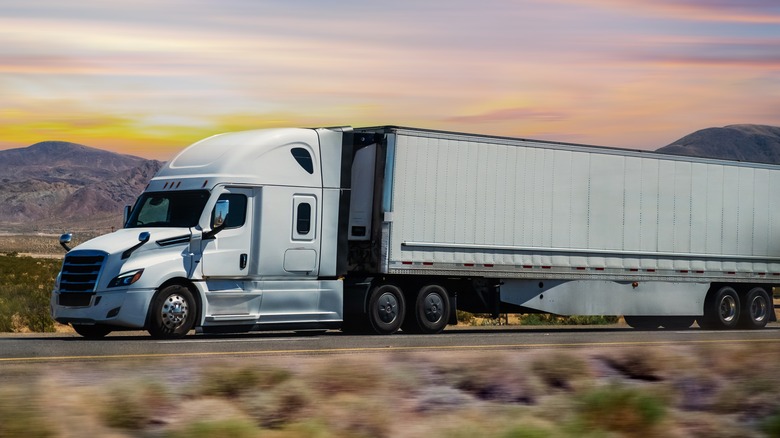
[(756, 143), (57, 186)]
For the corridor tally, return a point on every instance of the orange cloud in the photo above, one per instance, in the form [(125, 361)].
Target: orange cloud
[(747, 12)]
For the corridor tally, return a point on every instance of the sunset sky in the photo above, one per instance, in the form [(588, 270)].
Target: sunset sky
[(148, 77)]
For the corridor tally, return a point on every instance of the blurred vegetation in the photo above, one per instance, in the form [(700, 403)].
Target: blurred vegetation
[(25, 290), (686, 390), (630, 411), (21, 413)]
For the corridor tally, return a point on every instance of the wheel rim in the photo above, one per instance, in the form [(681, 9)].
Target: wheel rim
[(433, 307), (728, 308), (174, 311), (758, 309), (387, 307)]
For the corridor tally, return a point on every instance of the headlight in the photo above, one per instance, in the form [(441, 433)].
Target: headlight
[(126, 279)]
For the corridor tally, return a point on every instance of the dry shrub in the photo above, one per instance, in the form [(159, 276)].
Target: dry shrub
[(233, 382), (739, 361), (349, 376), (771, 425), (645, 364), (617, 408), (21, 415), (18, 324), (352, 415), (285, 404), (560, 370), (228, 428), (491, 377), (133, 407), (499, 424)]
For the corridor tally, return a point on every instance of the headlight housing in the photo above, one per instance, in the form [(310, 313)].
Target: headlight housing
[(126, 278)]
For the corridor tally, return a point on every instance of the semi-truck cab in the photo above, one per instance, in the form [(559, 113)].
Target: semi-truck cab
[(238, 230)]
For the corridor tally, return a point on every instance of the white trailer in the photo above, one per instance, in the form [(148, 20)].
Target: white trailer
[(387, 228)]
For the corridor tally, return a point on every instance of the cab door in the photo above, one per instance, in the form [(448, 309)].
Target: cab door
[(301, 256), (227, 253)]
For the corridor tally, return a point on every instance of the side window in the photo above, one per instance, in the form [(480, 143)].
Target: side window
[(303, 157), (304, 217), (237, 212), (303, 223)]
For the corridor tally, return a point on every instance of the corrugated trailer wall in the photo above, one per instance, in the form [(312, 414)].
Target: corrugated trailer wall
[(532, 209)]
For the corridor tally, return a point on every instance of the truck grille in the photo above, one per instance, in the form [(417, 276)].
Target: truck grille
[(75, 299), (80, 272)]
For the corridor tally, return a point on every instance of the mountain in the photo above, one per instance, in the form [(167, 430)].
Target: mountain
[(756, 143), (55, 186), (58, 186)]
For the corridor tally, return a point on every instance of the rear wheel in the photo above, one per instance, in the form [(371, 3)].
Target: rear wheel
[(755, 312), (386, 309), (721, 309), (92, 331), (173, 312), (431, 311)]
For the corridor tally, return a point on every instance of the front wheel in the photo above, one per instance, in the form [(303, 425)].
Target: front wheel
[(172, 313)]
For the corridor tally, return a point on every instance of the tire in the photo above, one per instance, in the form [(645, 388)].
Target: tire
[(431, 311), (756, 308), (386, 309), (92, 331), (643, 322), (721, 310), (172, 313), (676, 322)]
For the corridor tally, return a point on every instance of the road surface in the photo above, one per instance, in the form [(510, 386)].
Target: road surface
[(38, 348)]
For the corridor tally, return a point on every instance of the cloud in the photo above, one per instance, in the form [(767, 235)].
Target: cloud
[(726, 11), (509, 114)]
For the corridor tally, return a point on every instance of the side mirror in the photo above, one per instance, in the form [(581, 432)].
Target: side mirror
[(218, 218), (127, 212), (220, 213), (65, 239), (142, 238)]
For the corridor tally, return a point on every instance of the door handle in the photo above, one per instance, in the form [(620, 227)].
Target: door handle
[(242, 261)]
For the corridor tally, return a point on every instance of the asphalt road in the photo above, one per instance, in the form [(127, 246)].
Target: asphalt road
[(38, 348)]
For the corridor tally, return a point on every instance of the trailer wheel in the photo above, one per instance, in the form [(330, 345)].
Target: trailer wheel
[(642, 322), (431, 310), (386, 309), (173, 312), (755, 313), (721, 309), (92, 331)]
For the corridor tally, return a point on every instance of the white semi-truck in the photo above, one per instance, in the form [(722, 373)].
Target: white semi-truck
[(389, 228)]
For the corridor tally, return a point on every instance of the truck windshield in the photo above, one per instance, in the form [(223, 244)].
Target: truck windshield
[(168, 209)]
